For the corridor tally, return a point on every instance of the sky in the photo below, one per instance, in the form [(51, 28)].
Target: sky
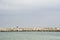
[(30, 13)]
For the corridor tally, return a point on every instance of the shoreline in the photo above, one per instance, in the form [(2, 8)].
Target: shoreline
[(29, 29)]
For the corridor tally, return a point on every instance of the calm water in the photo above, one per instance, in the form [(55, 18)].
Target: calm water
[(29, 35)]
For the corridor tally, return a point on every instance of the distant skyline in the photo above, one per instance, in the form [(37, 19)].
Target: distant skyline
[(29, 12)]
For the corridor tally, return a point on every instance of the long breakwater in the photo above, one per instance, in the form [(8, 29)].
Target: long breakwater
[(29, 29)]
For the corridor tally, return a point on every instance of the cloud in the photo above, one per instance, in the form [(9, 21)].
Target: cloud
[(28, 4), (29, 11)]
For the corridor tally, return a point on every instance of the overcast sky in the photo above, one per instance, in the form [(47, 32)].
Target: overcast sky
[(29, 12)]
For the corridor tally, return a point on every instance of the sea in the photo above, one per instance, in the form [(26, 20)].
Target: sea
[(29, 35)]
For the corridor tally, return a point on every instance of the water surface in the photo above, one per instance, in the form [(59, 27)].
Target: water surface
[(29, 35)]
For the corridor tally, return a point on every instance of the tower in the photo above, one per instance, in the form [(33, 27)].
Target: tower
[(17, 26)]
